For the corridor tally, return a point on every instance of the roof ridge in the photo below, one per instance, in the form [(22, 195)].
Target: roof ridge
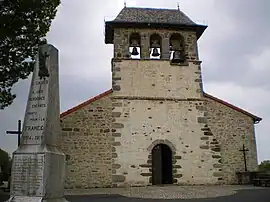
[(148, 8), (163, 9)]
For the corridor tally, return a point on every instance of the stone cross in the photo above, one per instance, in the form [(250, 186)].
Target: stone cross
[(38, 164), (244, 150), (17, 132)]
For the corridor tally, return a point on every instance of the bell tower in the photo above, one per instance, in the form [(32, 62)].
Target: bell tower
[(157, 93), (156, 42)]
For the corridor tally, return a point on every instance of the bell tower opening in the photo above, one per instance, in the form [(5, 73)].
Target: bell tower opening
[(177, 52), (155, 46), (135, 46)]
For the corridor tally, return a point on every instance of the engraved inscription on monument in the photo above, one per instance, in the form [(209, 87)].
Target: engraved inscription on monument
[(36, 112), (28, 168)]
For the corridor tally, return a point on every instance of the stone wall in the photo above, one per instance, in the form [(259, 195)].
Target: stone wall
[(109, 142), (141, 124), (121, 42), (153, 102), (87, 142), (232, 129), (156, 79)]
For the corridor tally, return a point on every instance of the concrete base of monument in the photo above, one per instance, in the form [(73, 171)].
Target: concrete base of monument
[(34, 199), (38, 174)]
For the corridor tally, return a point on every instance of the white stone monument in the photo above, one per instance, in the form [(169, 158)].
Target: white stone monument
[(38, 167)]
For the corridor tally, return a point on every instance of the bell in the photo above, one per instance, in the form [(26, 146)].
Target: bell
[(155, 52), (134, 51), (177, 57), (155, 45)]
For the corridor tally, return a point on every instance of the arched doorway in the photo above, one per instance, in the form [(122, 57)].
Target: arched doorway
[(161, 164)]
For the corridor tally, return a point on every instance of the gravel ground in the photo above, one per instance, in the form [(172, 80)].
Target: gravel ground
[(169, 193)]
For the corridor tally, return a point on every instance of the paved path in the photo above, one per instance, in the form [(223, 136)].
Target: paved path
[(170, 193)]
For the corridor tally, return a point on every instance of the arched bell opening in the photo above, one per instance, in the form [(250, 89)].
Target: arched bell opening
[(177, 52), (135, 46), (155, 46)]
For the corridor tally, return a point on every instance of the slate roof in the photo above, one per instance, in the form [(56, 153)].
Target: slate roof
[(256, 119), (151, 18), (153, 15)]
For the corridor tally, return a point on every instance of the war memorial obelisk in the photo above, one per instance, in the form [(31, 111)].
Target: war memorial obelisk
[(38, 167)]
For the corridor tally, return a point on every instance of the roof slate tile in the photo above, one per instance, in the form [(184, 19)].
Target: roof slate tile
[(152, 15)]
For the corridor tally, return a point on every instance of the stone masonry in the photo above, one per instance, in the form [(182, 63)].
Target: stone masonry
[(232, 129), (182, 130), (87, 142), (121, 43), (227, 124)]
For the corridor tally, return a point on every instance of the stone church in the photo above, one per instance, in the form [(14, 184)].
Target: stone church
[(156, 125)]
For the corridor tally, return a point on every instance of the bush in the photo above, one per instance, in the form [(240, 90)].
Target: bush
[(264, 166)]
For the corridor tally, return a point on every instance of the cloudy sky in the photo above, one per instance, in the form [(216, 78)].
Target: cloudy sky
[(235, 50)]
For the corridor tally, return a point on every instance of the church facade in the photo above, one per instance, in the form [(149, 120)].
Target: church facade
[(156, 125)]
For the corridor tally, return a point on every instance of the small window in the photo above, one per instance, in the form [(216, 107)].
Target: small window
[(135, 46)]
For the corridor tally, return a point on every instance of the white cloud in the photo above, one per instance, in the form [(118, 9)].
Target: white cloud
[(261, 61)]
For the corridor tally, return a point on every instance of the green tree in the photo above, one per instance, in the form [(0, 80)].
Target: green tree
[(23, 26), (5, 165), (264, 166)]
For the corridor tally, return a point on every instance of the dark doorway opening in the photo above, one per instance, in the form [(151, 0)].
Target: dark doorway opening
[(161, 165)]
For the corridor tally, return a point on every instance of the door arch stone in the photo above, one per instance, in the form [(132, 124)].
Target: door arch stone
[(175, 173)]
